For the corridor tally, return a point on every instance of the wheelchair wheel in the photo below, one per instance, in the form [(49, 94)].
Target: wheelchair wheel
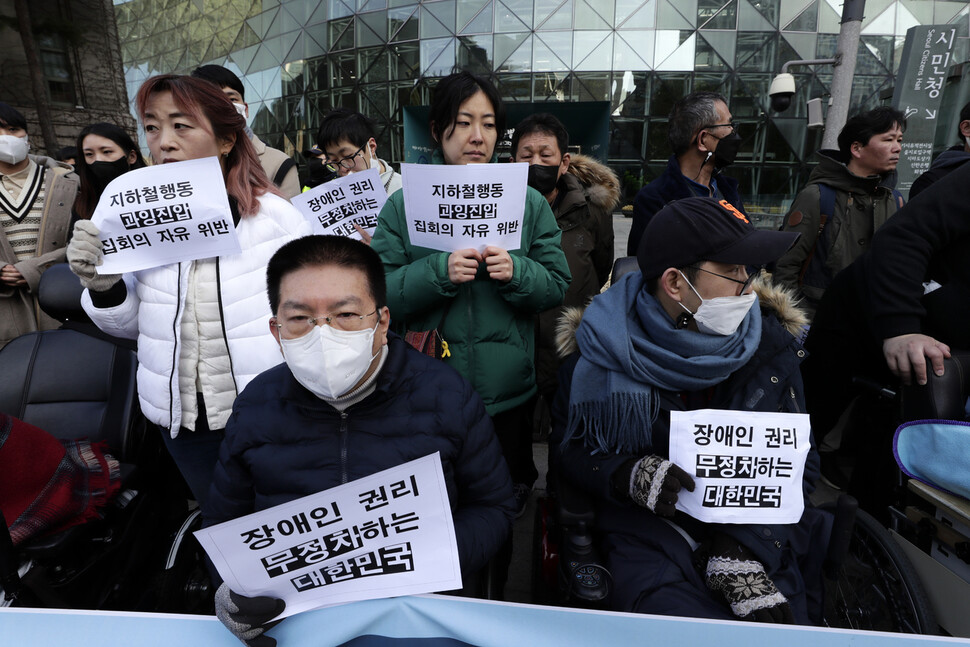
[(877, 588)]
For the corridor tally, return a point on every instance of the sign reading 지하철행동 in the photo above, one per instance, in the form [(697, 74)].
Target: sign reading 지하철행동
[(336, 206), (747, 466), (164, 214), (451, 207), (384, 535)]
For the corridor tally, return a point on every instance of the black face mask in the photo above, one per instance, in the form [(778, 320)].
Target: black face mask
[(319, 172), (543, 178), (727, 150), (104, 172)]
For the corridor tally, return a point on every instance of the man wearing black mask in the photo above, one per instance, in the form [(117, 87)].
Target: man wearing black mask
[(704, 140), (582, 193)]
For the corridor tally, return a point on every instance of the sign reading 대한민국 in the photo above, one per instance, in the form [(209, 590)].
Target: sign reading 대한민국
[(336, 206), (747, 466), (452, 207), (384, 535), (164, 214)]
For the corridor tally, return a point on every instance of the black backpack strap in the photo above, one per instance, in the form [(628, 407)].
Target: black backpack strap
[(285, 167)]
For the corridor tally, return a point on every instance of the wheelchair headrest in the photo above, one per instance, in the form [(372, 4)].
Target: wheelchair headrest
[(59, 294), (622, 266), (943, 397)]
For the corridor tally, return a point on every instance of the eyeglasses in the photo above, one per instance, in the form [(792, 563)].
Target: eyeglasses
[(733, 126), (348, 162), (745, 284), (299, 325)]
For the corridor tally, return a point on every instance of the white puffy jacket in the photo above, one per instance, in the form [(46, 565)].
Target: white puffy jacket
[(152, 311)]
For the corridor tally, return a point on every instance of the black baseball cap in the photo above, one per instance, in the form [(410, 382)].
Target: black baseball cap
[(694, 230)]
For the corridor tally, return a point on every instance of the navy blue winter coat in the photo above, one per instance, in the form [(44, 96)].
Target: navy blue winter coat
[(283, 443), (669, 186), (652, 565)]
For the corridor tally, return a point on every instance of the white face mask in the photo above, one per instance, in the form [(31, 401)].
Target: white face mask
[(374, 164), (720, 315), (241, 109), (13, 150), (329, 362)]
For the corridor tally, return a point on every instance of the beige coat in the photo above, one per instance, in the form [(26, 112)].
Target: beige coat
[(19, 312)]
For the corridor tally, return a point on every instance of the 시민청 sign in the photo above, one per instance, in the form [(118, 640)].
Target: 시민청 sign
[(747, 466), (164, 214)]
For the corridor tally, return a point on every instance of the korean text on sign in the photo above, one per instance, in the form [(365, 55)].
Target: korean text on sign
[(386, 534), (335, 207), (165, 214), (452, 207), (747, 466)]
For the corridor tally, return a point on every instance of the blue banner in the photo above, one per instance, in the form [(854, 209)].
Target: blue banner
[(429, 621)]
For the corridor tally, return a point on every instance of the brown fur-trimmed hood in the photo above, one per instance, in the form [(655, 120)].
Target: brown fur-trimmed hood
[(772, 298), (600, 181)]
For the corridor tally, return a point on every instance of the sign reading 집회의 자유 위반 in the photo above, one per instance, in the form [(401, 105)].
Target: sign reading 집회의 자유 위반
[(451, 207), (164, 214)]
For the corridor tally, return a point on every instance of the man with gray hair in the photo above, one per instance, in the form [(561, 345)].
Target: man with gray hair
[(704, 141)]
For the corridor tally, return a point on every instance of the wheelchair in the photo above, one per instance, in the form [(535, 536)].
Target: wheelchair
[(870, 582), (76, 382)]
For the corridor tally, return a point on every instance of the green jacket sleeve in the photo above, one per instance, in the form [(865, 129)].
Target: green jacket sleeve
[(414, 285), (803, 217), (540, 275)]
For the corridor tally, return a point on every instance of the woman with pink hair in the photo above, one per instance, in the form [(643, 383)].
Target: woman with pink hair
[(201, 326)]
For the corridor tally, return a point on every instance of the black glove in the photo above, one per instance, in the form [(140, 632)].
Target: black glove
[(733, 572), (247, 618), (655, 482)]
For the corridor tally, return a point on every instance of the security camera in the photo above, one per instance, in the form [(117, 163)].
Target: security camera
[(782, 91)]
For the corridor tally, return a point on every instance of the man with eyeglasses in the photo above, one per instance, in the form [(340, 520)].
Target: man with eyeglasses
[(348, 139), (704, 140), (688, 331), (351, 399)]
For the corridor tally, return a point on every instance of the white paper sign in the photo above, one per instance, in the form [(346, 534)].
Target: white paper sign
[(451, 207), (165, 214), (384, 535), (334, 207), (747, 466)]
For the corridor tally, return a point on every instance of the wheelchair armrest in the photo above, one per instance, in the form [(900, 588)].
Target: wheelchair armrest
[(574, 505)]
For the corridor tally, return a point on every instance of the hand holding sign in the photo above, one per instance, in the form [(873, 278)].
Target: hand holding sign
[(499, 263), (463, 265), (655, 483)]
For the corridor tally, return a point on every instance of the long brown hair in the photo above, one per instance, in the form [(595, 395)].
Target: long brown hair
[(245, 178)]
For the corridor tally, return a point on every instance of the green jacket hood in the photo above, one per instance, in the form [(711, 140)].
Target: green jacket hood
[(834, 172)]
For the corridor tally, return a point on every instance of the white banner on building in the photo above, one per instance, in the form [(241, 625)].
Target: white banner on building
[(164, 214), (747, 466), (384, 535), (336, 206), (451, 207)]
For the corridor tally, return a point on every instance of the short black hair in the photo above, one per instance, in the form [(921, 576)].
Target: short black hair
[(542, 123), (452, 91), (66, 153), (317, 250), (690, 114), (341, 123), (220, 76), (11, 116), (865, 125)]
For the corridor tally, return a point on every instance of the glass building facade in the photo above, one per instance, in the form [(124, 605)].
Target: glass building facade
[(300, 58)]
